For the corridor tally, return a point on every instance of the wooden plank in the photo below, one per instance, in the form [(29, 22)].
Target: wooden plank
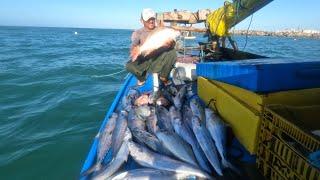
[(186, 17), (184, 28)]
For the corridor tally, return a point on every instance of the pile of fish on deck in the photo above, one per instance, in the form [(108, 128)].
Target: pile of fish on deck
[(170, 136)]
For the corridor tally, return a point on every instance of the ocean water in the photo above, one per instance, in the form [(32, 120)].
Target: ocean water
[(56, 87)]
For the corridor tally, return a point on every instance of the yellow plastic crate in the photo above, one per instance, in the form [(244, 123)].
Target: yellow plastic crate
[(242, 109), (286, 142), (257, 101)]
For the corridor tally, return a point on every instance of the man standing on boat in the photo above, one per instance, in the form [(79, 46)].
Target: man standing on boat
[(161, 62)]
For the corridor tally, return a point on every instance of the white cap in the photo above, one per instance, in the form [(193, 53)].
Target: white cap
[(147, 14)]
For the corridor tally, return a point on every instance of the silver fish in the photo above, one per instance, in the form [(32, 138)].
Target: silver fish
[(151, 141), (164, 119), (120, 158), (217, 129), (134, 94), (166, 95), (180, 98), (172, 90), (142, 111), (198, 110), (134, 121), (104, 143), (187, 115), (185, 132), (162, 101), (119, 130), (126, 103), (206, 143), (156, 39), (174, 113), (147, 158), (149, 174), (191, 90), (152, 122), (177, 146)]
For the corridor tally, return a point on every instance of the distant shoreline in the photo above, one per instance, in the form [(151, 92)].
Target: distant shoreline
[(279, 33)]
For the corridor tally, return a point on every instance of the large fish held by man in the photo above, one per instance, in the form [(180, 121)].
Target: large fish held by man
[(155, 40)]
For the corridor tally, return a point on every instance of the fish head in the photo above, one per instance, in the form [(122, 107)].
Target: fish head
[(114, 115), (133, 93), (152, 110), (208, 112), (161, 101), (195, 120), (177, 121), (175, 112), (127, 135), (173, 91), (193, 101), (124, 113)]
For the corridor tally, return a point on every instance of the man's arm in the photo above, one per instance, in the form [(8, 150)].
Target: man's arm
[(135, 39)]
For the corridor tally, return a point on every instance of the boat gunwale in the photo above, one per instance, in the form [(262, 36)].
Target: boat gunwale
[(93, 150)]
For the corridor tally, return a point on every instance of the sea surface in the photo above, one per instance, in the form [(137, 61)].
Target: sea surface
[(57, 84)]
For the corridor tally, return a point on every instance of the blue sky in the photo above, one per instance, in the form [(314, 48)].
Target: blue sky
[(125, 14)]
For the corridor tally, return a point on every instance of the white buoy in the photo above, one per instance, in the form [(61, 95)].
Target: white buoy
[(76, 33)]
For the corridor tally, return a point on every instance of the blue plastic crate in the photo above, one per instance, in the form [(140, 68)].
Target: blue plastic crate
[(264, 75)]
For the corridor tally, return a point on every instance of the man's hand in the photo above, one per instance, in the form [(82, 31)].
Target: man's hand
[(169, 43), (134, 53)]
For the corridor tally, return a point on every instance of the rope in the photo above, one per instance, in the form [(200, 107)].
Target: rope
[(109, 74), (247, 33)]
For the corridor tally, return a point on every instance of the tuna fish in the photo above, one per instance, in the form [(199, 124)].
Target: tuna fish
[(164, 119), (120, 158), (198, 110), (104, 143), (162, 101), (217, 129), (184, 131), (149, 174), (151, 141), (180, 98), (134, 121), (206, 143), (126, 102), (156, 39), (152, 122), (142, 112), (118, 133), (187, 115), (165, 93), (177, 146), (134, 94), (150, 159), (173, 91)]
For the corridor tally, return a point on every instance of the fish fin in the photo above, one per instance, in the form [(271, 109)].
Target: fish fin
[(147, 52)]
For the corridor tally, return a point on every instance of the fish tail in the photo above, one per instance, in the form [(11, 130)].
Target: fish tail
[(94, 168), (226, 164)]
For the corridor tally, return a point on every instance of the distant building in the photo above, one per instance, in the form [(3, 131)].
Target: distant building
[(310, 31)]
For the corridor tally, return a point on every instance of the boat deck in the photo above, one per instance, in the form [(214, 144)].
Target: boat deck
[(238, 155)]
